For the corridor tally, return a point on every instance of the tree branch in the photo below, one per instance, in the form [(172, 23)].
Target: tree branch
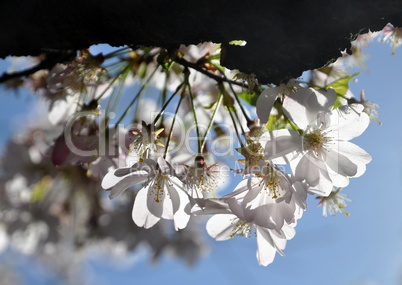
[(51, 60)]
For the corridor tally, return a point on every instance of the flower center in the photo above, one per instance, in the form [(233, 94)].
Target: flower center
[(315, 140), (205, 180), (252, 154), (158, 187), (270, 183), (334, 202), (242, 228)]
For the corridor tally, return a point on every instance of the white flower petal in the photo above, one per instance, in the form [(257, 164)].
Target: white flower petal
[(337, 179), (300, 194), (315, 172), (110, 180), (181, 207), (279, 238), (307, 169), (338, 162), (355, 154), (61, 110), (147, 165), (281, 146), (141, 214), (210, 206), (125, 182), (262, 210), (236, 209), (303, 106), (324, 186), (266, 248), (265, 103), (222, 227), (240, 189), (288, 231), (348, 122), (122, 178)]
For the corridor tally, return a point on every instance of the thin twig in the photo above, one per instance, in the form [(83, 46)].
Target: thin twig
[(217, 78), (48, 63), (172, 125), (211, 122)]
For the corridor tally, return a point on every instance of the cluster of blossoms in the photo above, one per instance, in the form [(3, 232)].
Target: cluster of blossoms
[(169, 141), (316, 146), (313, 140)]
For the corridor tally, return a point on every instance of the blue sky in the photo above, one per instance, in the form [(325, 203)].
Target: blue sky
[(364, 248)]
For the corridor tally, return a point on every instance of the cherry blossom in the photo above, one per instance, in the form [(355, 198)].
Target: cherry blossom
[(269, 196), (201, 180), (320, 152), (269, 241), (267, 98), (334, 203), (190, 111), (393, 36), (162, 194)]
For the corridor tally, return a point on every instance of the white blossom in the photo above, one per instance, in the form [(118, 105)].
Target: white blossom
[(393, 36), (162, 194), (320, 152), (226, 226), (268, 97), (334, 203)]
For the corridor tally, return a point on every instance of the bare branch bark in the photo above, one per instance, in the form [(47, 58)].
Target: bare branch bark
[(284, 37)]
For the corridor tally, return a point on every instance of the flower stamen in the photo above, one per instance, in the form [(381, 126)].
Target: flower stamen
[(242, 229), (315, 140)]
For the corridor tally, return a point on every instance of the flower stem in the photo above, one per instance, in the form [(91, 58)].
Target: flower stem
[(174, 120), (218, 103), (219, 68), (136, 96), (167, 103), (118, 76), (120, 89), (233, 120), (238, 120), (249, 121), (187, 73)]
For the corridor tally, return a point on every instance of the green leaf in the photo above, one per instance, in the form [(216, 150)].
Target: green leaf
[(341, 86), (238, 43), (249, 98), (337, 103)]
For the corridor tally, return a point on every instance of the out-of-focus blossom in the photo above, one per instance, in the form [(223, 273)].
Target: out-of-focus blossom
[(393, 36), (370, 108), (334, 203), (71, 87)]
